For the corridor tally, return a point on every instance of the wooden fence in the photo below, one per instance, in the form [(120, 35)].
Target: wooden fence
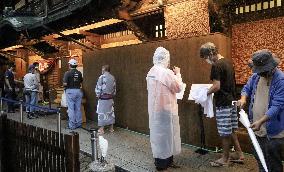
[(26, 148)]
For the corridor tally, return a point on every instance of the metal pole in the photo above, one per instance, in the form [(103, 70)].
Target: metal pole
[(59, 125), (21, 111), (94, 142)]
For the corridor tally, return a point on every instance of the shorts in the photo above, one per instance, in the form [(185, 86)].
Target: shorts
[(227, 120)]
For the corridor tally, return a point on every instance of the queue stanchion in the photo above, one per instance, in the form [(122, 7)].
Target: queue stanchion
[(21, 111)]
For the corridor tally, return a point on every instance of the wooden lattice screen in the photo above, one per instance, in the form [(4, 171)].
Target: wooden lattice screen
[(27, 148)]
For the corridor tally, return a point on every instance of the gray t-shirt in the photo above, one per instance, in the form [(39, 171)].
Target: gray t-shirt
[(260, 105)]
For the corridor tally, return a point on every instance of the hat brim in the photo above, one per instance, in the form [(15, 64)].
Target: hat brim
[(268, 67)]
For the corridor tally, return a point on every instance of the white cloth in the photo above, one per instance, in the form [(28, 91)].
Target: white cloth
[(245, 121), (198, 93), (31, 82), (162, 86)]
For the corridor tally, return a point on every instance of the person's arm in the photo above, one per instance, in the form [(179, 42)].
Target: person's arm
[(174, 81), (277, 100), (99, 85), (114, 88), (257, 124), (215, 87), (215, 77), (65, 79), (277, 103), (8, 83)]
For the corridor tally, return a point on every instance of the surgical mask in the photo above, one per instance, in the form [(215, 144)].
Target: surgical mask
[(209, 61), (265, 74)]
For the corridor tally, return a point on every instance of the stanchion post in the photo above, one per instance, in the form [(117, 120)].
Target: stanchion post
[(59, 124), (21, 111), (94, 142)]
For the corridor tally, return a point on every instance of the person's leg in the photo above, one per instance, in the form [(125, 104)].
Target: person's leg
[(111, 128), (10, 104), (226, 141), (78, 112), (33, 101), (224, 126), (71, 108), (28, 100), (274, 154), (240, 154), (234, 120)]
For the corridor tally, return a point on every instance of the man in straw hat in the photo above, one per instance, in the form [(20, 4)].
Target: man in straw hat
[(265, 88)]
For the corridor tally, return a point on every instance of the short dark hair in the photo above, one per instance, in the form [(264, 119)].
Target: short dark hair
[(208, 49), (106, 68), (35, 63)]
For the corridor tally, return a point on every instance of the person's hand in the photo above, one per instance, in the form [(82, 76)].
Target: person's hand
[(10, 88), (256, 125), (176, 70), (241, 103)]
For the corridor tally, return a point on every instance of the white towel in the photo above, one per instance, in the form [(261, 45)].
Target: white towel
[(198, 93)]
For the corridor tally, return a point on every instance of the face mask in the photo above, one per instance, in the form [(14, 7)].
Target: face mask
[(209, 61), (265, 74)]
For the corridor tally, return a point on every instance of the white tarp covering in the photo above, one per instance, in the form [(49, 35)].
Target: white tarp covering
[(245, 121)]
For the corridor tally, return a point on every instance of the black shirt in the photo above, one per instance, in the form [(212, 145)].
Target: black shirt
[(73, 78), (10, 77), (223, 71)]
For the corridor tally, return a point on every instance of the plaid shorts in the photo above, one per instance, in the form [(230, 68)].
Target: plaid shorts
[(227, 120)]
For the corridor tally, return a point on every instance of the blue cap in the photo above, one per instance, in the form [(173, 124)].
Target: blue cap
[(31, 67)]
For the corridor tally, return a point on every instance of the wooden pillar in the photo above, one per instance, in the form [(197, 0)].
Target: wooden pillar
[(72, 152)]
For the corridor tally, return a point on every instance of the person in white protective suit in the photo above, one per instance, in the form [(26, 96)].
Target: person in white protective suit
[(162, 86)]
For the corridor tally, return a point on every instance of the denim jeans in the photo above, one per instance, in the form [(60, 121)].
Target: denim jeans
[(273, 154), (32, 100), (74, 99)]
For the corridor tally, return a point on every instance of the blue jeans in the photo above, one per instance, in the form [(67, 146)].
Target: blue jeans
[(32, 100), (74, 99)]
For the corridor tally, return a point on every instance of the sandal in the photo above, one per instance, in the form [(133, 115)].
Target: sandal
[(237, 160), (218, 164), (111, 130)]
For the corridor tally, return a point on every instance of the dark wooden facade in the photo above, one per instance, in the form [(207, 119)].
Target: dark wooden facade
[(130, 64)]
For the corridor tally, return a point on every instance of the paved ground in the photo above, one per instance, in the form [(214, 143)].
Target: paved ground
[(131, 151)]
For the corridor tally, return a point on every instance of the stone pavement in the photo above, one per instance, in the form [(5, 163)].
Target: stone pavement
[(132, 152)]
